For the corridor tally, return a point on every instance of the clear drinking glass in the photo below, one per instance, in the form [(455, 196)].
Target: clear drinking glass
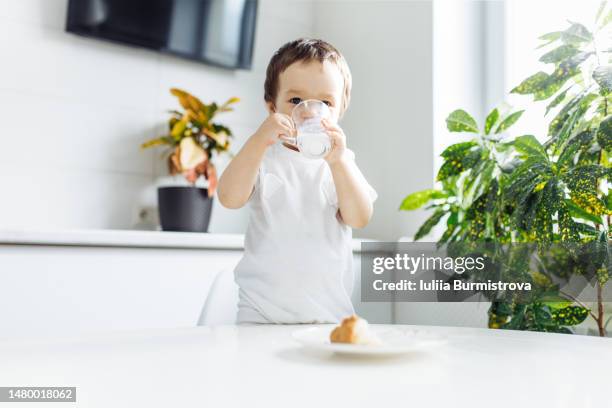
[(312, 139)]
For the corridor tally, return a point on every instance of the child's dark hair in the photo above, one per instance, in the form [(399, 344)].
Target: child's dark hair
[(305, 49)]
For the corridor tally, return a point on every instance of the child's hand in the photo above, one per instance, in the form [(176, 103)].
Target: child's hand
[(275, 127), (338, 141)]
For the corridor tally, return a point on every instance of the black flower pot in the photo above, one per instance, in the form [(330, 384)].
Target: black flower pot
[(184, 208)]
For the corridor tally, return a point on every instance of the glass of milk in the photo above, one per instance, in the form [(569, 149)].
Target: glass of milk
[(312, 139)]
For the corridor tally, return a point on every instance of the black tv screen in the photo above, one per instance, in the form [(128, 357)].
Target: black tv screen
[(217, 32)]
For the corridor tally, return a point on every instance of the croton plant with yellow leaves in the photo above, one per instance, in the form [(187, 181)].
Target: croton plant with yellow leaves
[(194, 138)]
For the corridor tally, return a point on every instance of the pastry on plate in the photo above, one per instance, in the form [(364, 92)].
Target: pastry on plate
[(354, 330)]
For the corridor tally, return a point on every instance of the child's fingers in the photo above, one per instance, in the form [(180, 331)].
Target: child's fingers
[(287, 133), (291, 131), (337, 139), (291, 126), (288, 129), (331, 127), (334, 134), (286, 138), (287, 122)]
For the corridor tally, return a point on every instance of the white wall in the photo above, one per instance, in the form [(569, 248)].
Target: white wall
[(74, 112), (388, 45)]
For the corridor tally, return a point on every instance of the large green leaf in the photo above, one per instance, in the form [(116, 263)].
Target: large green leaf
[(549, 38), (491, 120), (543, 85), (458, 149), (558, 121), (561, 139), (567, 226), (604, 134), (603, 76), (531, 84), (582, 182), (525, 178), (479, 180), (461, 121), (431, 222), (570, 316), (529, 146), (559, 54), (420, 198), (564, 123), (555, 301), (524, 213), (479, 211), (576, 143), (578, 212), (587, 229), (557, 100), (458, 162), (565, 70), (509, 121), (546, 209), (576, 34)]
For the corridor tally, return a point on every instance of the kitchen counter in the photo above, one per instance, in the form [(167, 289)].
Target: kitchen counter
[(259, 365), (153, 279), (123, 238), (129, 238)]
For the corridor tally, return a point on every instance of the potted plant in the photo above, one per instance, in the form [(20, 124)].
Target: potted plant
[(545, 190), (192, 140)]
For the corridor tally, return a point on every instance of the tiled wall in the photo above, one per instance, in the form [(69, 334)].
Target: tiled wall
[(73, 112)]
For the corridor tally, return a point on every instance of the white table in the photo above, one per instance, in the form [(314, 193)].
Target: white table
[(251, 366)]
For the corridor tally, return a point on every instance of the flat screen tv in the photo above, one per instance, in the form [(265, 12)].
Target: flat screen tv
[(217, 32)]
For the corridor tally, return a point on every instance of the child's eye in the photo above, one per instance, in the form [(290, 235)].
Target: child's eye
[(295, 101), (328, 103)]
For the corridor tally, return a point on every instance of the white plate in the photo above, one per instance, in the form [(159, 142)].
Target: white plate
[(394, 341)]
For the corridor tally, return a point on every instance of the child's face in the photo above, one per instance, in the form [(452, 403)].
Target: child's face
[(310, 80)]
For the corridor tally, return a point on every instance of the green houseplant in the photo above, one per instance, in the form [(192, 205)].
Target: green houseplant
[(553, 188), (191, 141)]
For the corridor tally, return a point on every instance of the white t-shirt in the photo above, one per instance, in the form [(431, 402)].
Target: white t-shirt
[(297, 262)]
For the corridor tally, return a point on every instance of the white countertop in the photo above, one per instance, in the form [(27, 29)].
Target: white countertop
[(129, 238), (248, 366)]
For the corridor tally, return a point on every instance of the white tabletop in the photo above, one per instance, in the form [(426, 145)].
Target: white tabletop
[(263, 366)]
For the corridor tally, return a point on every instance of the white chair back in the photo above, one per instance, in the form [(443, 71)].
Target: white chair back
[(221, 305)]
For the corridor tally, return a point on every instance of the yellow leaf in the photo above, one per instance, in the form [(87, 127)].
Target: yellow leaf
[(231, 100), (540, 186), (194, 103), (177, 92), (225, 107), (178, 129), (187, 100), (154, 142), (184, 102), (201, 117)]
